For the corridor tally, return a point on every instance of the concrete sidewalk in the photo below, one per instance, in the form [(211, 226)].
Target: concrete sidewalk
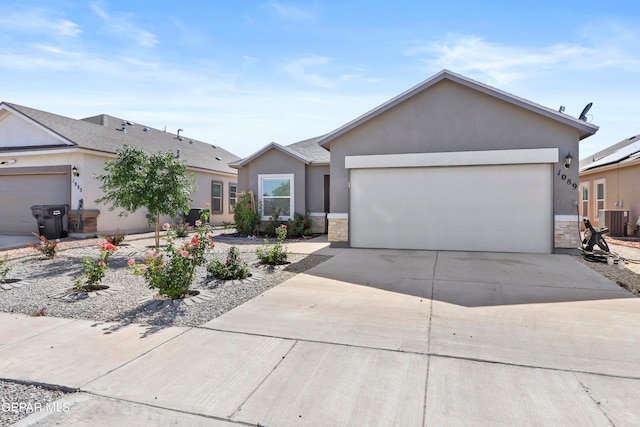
[(370, 337)]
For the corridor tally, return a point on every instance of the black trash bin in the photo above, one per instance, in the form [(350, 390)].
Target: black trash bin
[(192, 216), (49, 218)]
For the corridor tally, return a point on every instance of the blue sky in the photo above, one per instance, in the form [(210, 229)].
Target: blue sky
[(244, 73)]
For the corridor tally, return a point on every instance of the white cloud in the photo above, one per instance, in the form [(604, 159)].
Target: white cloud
[(307, 70), (56, 51), (122, 25), (249, 61), (501, 64), (37, 20), (291, 13)]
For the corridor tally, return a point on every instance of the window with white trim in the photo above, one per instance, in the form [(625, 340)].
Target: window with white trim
[(276, 192), (216, 197), (599, 196), (233, 189), (584, 199)]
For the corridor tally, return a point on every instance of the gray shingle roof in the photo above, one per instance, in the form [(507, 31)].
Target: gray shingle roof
[(311, 149), (102, 133), (307, 151)]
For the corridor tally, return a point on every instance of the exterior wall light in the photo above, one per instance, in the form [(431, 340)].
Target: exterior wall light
[(74, 171), (567, 161)]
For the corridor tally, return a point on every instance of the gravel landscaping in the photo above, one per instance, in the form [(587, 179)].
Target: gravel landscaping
[(627, 277), (20, 400), (129, 299), (43, 289)]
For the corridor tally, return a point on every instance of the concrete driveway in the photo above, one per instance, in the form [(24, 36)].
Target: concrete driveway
[(12, 242), (370, 337)]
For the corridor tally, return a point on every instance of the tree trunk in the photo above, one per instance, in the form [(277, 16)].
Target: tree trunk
[(157, 231)]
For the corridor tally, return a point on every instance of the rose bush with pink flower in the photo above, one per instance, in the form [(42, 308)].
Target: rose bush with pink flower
[(172, 271), (233, 267), (94, 272), (275, 254), (245, 214)]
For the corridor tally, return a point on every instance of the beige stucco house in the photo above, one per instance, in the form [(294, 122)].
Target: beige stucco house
[(609, 194), (48, 159), (450, 164)]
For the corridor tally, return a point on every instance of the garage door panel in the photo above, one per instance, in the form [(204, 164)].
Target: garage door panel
[(483, 208), (19, 192)]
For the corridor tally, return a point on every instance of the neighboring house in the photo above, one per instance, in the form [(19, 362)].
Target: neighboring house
[(451, 164), (609, 183), (49, 159)]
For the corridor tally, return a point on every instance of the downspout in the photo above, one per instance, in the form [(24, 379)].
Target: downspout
[(79, 219)]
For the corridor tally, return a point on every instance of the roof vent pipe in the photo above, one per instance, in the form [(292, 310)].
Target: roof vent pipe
[(178, 154)]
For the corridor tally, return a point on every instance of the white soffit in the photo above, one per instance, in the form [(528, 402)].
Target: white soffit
[(456, 158)]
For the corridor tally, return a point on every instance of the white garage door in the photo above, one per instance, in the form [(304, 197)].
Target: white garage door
[(504, 208), (19, 192)]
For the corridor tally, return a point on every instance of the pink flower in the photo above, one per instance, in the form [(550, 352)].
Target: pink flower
[(195, 241), (108, 247), (198, 223), (184, 253), (212, 244), (166, 226), (102, 263), (131, 262), (226, 262), (248, 205), (284, 226)]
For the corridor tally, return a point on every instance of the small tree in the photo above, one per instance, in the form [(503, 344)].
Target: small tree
[(137, 179)]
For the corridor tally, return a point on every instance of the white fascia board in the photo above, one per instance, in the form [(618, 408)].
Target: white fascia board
[(61, 150), (456, 158)]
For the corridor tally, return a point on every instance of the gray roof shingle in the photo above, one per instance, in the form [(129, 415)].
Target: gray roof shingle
[(311, 149), (102, 133)]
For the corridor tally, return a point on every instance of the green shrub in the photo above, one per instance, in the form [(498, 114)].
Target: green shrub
[(232, 269), (299, 226), (94, 272), (245, 214), (172, 272), (275, 254), (182, 229), (274, 222)]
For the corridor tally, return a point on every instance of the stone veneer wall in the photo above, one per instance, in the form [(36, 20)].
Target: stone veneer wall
[(318, 222), (89, 224), (338, 228), (566, 232)]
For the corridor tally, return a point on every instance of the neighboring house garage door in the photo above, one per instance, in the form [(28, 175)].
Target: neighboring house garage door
[(497, 208), (19, 192)]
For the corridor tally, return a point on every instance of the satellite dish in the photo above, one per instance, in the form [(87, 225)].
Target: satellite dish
[(583, 115)]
